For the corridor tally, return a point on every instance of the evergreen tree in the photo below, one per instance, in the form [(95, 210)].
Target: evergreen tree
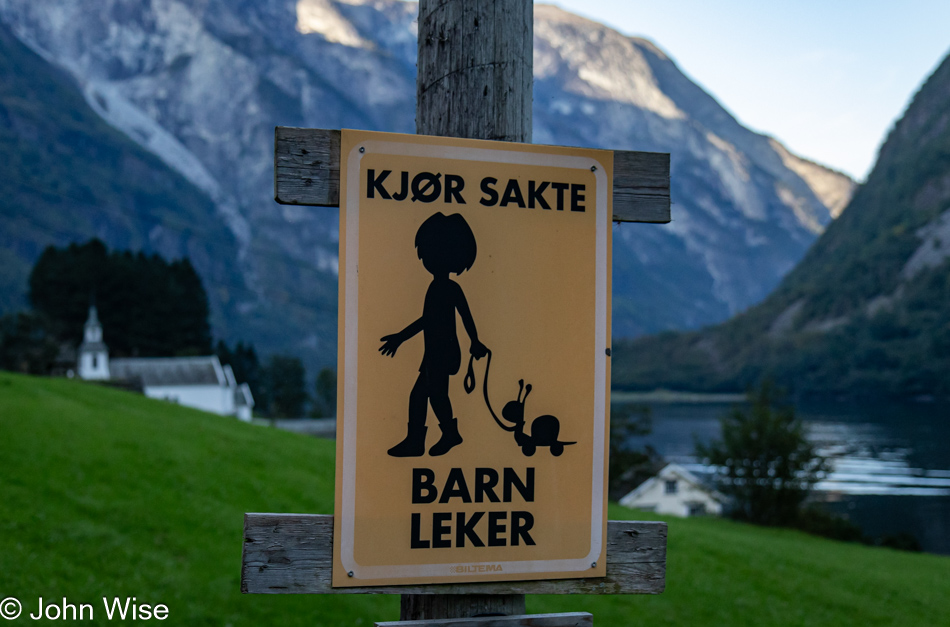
[(64, 281), (629, 466), (324, 401), (247, 369), (148, 306), (26, 344), (285, 387), (765, 460)]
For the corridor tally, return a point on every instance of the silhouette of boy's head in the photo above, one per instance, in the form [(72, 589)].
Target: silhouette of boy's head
[(446, 244)]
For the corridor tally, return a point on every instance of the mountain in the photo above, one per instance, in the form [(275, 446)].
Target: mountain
[(867, 310), (202, 83), (744, 208), (66, 175)]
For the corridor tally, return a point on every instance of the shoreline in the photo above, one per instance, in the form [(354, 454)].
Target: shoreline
[(675, 396)]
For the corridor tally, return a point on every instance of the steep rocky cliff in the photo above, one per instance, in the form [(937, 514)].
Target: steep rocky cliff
[(66, 175), (868, 308), (202, 83)]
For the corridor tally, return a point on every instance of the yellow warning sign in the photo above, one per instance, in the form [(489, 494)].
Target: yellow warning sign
[(473, 361)]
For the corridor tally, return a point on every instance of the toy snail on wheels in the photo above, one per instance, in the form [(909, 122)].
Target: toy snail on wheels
[(545, 430)]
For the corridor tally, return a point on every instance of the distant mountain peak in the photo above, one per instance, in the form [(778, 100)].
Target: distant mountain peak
[(832, 187), (320, 16), (202, 83), (596, 61)]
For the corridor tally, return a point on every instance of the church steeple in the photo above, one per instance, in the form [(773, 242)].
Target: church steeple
[(93, 353)]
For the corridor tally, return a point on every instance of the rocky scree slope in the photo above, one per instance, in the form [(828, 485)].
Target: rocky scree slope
[(202, 83), (66, 175)]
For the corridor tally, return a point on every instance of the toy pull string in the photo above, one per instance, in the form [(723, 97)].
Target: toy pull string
[(469, 384)]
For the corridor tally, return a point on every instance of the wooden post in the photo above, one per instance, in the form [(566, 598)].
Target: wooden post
[(569, 619), (474, 81), (427, 606), (475, 69)]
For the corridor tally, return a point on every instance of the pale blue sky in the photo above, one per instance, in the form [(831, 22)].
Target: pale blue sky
[(826, 77)]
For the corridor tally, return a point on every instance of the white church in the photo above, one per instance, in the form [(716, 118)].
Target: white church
[(199, 382)]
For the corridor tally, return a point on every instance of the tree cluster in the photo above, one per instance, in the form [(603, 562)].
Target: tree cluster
[(149, 307), (26, 344), (764, 460), (629, 465), (279, 385), (324, 402)]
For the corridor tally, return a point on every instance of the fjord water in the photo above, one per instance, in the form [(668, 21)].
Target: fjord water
[(890, 461)]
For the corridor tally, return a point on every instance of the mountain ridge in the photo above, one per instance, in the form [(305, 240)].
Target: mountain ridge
[(202, 83), (867, 311), (69, 176)]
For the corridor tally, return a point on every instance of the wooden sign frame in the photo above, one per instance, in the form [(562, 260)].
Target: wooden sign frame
[(292, 553), (307, 172)]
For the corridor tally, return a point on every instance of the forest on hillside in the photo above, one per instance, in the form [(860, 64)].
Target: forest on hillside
[(866, 312)]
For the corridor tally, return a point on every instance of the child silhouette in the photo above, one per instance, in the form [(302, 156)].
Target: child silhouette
[(446, 245)]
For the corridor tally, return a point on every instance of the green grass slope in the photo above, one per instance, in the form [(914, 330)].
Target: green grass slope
[(108, 493)]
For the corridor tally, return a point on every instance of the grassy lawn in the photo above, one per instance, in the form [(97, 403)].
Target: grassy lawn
[(106, 493)]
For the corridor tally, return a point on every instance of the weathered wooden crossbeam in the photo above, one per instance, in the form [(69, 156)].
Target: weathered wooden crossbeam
[(307, 172), (570, 619), (293, 554)]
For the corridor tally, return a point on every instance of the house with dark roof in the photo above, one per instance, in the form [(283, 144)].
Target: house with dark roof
[(199, 382)]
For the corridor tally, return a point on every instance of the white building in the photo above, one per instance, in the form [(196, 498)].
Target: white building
[(199, 382), (243, 401), (677, 492), (93, 362)]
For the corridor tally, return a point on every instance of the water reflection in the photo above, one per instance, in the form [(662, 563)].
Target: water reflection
[(890, 462), (865, 461)]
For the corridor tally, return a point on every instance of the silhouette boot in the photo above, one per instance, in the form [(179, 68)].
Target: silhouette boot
[(450, 438), (414, 445)]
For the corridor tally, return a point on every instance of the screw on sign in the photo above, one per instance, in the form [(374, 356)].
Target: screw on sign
[(456, 251)]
